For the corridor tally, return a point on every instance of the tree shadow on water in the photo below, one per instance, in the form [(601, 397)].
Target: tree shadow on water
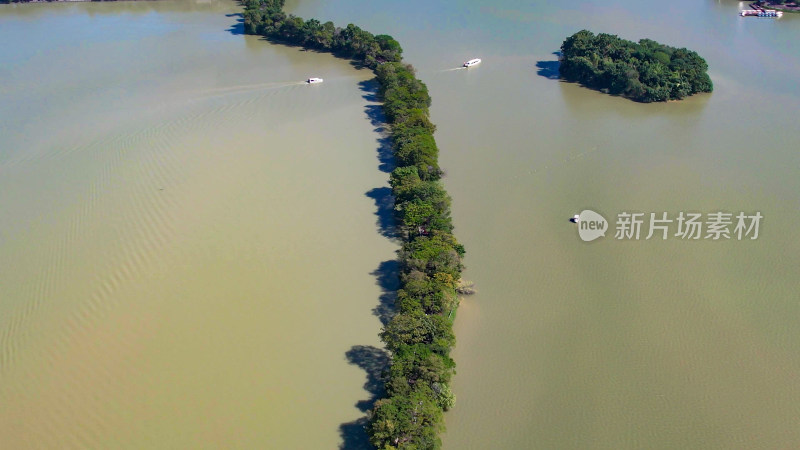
[(370, 89), (384, 203), (236, 29), (549, 69), (374, 362), (387, 276), (375, 114)]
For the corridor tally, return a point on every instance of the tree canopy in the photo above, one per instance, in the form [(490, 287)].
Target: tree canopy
[(266, 17), (420, 335), (645, 71)]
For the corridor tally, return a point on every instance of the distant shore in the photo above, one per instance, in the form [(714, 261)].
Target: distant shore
[(795, 8)]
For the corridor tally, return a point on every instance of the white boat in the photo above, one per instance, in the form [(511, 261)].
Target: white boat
[(576, 218), (761, 13), (770, 13), (314, 80), (472, 62)]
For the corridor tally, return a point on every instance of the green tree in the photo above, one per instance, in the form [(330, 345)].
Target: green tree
[(646, 71)]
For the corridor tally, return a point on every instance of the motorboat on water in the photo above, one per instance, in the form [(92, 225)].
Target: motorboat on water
[(472, 62), (314, 80), (760, 12), (575, 219)]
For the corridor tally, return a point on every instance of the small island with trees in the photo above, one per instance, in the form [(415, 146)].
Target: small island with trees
[(646, 71)]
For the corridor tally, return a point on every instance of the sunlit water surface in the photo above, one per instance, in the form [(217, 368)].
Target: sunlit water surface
[(186, 243), (613, 344), (186, 246)]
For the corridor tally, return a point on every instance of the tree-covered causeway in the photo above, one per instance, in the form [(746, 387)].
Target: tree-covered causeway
[(420, 335)]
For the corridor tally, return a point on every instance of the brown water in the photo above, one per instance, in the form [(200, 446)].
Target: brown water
[(186, 246), (217, 312), (648, 344)]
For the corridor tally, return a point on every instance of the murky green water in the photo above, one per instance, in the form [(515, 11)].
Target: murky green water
[(186, 246), (649, 344), (210, 313)]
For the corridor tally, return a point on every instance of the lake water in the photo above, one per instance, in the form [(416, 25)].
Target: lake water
[(613, 344), (187, 246), (218, 311)]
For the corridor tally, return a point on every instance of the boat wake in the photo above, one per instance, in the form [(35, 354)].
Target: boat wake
[(245, 88)]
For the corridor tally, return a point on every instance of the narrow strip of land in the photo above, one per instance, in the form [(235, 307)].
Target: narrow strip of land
[(420, 335)]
